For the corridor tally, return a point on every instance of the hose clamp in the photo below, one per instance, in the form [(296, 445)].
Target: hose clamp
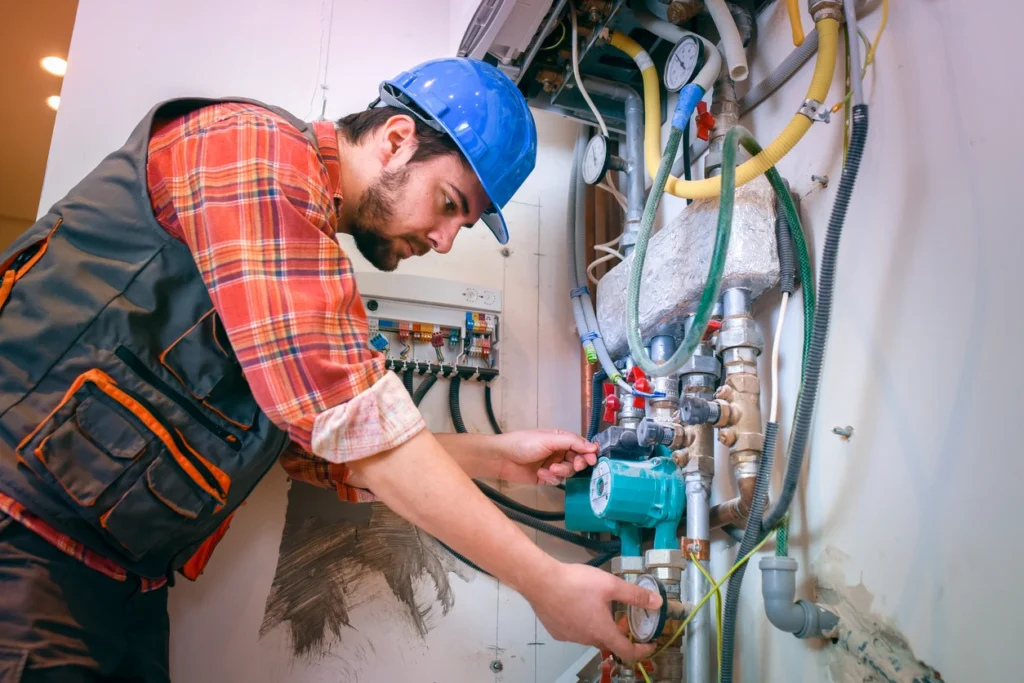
[(815, 111)]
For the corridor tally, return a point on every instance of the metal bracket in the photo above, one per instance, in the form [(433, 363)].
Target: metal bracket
[(815, 111)]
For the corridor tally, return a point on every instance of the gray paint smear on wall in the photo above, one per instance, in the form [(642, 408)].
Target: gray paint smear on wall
[(869, 647), (332, 555)]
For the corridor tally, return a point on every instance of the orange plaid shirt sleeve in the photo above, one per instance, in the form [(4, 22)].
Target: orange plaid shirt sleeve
[(257, 204)]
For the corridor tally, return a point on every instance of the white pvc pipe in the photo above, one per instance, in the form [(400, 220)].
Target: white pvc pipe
[(732, 44), (673, 34)]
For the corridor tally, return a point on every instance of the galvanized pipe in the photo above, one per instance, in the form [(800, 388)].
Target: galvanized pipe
[(634, 154)]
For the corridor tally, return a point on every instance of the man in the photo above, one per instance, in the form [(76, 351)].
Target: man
[(184, 318)]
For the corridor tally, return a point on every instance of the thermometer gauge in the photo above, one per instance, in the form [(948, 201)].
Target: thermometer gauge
[(596, 160), (646, 625), (684, 62)]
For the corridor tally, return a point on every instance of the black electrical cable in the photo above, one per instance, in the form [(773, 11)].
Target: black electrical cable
[(489, 407), (595, 561), (596, 398), (809, 388), (822, 316), (516, 511), (687, 171), (512, 504), (421, 391), (407, 379), (784, 244), (453, 404)]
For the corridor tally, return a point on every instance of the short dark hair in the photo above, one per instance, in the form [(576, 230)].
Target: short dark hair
[(429, 142)]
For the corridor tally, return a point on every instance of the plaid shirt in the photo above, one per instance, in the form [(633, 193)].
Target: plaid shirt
[(258, 204)]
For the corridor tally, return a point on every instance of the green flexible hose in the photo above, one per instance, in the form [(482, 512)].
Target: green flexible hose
[(713, 285)]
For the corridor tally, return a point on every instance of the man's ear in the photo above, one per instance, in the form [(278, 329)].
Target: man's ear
[(397, 141)]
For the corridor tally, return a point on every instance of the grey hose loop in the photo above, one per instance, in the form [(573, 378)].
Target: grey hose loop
[(822, 316), (782, 73)]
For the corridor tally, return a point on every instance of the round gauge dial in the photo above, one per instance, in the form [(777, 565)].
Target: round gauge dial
[(684, 62), (595, 160), (647, 624)]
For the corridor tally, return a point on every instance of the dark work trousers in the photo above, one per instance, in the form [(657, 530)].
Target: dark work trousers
[(62, 622)]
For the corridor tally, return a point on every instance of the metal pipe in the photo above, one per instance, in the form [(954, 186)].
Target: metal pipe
[(726, 110), (634, 154)]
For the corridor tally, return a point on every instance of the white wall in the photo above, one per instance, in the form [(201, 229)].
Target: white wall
[(126, 56), (919, 361)]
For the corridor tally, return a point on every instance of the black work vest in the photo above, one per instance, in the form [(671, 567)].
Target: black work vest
[(125, 420)]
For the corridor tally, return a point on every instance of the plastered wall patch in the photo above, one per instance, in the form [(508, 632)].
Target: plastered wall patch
[(331, 559), (870, 648)]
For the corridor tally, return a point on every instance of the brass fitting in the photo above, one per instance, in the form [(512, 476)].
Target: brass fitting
[(550, 79), (681, 11)]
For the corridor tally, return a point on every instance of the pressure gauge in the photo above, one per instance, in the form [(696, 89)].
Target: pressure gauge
[(647, 624), (596, 160), (684, 62)]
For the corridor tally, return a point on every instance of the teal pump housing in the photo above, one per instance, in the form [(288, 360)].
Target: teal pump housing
[(624, 496)]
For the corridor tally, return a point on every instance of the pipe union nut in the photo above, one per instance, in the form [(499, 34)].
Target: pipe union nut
[(825, 9), (664, 558), (668, 575), (627, 565), (749, 441), (701, 464), (740, 333), (701, 365)]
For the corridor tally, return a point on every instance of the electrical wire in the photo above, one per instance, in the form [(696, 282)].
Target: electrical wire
[(716, 587), (576, 71), (776, 343), (561, 38), (607, 186), (605, 248), (878, 35), (718, 606)]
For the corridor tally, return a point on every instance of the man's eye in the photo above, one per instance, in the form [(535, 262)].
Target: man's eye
[(449, 205)]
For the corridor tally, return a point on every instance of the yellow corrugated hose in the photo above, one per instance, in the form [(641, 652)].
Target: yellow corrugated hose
[(828, 43)]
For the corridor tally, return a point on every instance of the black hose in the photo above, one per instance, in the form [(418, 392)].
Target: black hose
[(453, 404), (489, 407), (595, 561), (784, 243), (750, 539), (513, 504), (558, 532), (515, 511), (822, 316), (808, 390), (596, 398), (687, 171), (423, 388), (407, 380)]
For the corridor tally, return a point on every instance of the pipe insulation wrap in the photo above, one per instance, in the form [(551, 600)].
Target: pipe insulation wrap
[(732, 42)]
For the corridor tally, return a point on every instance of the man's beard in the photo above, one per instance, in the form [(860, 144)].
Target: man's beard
[(376, 210)]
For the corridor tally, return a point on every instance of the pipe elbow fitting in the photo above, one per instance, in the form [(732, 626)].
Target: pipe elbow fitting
[(802, 618)]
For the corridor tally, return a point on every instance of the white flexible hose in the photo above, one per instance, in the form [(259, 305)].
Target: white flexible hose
[(773, 413), (673, 34), (576, 70), (732, 44), (607, 186)]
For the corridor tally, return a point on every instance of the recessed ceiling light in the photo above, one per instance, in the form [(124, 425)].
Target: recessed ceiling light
[(53, 101), (55, 65)]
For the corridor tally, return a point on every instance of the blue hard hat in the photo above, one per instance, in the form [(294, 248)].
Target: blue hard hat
[(484, 112)]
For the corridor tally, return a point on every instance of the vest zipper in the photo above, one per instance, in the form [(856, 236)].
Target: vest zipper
[(151, 378)]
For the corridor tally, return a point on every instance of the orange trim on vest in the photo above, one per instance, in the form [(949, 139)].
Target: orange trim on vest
[(197, 563), (6, 286), (11, 276), (108, 386), (163, 361)]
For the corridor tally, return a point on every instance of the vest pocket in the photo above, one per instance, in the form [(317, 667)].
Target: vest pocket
[(153, 510), (203, 362)]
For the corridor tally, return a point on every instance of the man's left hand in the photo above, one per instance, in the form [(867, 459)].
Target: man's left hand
[(547, 456)]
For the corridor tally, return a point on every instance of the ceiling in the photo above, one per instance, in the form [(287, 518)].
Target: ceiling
[(29, 31)]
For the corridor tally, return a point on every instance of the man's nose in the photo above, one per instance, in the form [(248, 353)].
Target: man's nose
[(442, 237)]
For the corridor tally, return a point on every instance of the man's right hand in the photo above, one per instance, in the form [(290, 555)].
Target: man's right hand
[(574, 604)]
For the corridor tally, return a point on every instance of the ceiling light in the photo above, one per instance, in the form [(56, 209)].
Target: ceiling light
[(53, 101), (55, 65)]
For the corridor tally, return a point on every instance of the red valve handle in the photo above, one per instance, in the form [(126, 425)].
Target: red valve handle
[(612, 404), (705, 121)]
